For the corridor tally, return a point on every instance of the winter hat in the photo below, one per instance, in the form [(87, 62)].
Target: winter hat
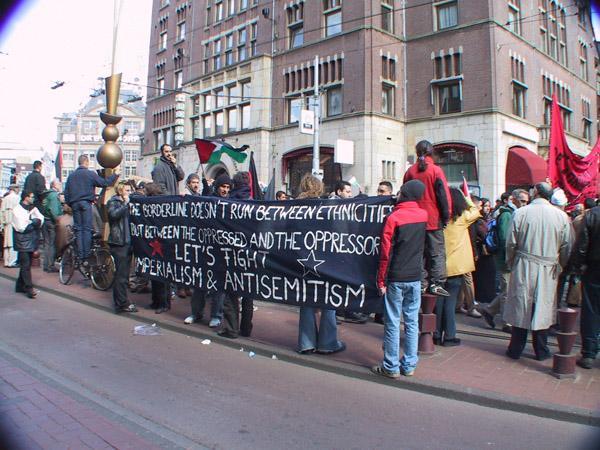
[(222, 179), (559, 198), (412, 191)]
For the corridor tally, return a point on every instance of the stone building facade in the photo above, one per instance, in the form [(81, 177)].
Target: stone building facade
[(474, 77)]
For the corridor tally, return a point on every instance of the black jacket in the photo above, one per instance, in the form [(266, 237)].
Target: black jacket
[(240, 193), (118, 219), (587, 248), (36, 183)]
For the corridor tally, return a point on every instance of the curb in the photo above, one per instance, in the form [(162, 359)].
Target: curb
[(445, 390)]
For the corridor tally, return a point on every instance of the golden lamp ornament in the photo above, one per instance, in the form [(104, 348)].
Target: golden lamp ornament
[(109, 154)]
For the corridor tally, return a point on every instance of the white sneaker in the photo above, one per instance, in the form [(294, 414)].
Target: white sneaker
[(214, 323), (189, 320)]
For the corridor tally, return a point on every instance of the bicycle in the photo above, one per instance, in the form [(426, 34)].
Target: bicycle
[(100, 268)]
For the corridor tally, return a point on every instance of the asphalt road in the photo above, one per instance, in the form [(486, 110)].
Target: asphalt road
[(212, 396)]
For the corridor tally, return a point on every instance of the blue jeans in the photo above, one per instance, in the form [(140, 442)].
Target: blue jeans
[(82, 225), (325, 338), (445, 309), (198, 302), (401, 298)]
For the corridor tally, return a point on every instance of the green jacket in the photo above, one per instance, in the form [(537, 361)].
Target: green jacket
[(51, 206), (503, 221)]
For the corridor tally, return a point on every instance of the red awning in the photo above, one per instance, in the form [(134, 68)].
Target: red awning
[(524, 167)]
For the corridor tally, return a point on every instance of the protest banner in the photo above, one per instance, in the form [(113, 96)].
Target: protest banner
[(319, 253)]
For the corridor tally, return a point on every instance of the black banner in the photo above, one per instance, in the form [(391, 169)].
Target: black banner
[(320, 253)]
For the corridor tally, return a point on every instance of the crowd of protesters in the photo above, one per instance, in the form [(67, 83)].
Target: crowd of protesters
[(507, 265)]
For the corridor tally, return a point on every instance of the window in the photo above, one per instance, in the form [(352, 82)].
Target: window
[(219, 123), (89, 126), (229, 49), (162, 41), (246, 90), (219, 98), (333, 17), (582, 12), (179, 79), (446, 87), (587, 121), (207, 101), (519, 88), (129, 171), (295, 18), (456, 160), (562, 38), (295, 106), (242, 37), (207, 121), (219, 11), (206, 58), (446, 14), (553, 31), (243, 4), (196, 128), (181, 31), (387, 15), (388, 170), (217, 60), (231, 7), (563, 94), (234, 94), (514, 16), (232, 120), (208, 14), (388, 68), (253, 34), (583, 65), (130, 155), (334, 101), (387, 99), (160, 86), (246, 117)]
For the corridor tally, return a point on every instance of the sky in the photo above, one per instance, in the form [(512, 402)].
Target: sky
[(64, 40)]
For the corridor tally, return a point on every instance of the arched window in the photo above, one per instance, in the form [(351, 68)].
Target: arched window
[(456, 159), (299, 162)]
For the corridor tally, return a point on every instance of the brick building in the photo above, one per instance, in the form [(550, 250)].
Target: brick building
[(474, 77)]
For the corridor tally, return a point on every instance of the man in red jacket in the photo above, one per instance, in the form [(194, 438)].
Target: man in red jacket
[(438, 204), (399, 279)]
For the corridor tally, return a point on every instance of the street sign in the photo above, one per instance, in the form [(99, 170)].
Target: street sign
[(344, 152), (307, 122)]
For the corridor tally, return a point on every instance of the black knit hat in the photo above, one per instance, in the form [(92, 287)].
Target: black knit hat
[(221, 180), (412, 191)]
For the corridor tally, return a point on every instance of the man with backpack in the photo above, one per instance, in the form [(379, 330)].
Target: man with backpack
[(51, 209), (497, 234)]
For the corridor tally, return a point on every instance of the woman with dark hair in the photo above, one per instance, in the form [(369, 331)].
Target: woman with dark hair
[(459, 261), (485, 264), (310, 339), (436, 201)]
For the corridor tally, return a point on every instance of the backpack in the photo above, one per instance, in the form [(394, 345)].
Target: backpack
[(492, 242)]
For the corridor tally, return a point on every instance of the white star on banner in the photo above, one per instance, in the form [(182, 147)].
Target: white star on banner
[(310, 264)]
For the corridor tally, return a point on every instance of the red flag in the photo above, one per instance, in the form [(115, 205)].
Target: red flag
[(575, 175), (465, 188)]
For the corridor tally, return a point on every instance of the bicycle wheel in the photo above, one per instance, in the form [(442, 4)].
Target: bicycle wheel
[(67, 265), (102, 271)]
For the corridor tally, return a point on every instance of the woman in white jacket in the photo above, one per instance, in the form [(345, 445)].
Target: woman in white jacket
[(26, 223)]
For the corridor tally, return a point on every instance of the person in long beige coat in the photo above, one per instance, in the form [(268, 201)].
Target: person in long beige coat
[(6, 215), (537, 248)]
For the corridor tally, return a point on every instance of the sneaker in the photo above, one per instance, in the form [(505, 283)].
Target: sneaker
[(436, 289), (474, 313), (462, 310), (586, 363), (407, 372), (507, 329), (379, 370), (214, 323), (189, 320), (489, 319), (354, 317)]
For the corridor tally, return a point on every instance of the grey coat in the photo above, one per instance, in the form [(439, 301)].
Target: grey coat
[(537, 247), (167, 176)]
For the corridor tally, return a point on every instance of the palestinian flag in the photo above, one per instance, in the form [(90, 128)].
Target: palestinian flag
[(211, 151)]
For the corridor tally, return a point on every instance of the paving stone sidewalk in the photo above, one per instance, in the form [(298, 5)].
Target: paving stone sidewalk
[(477, 366), (34, 415)]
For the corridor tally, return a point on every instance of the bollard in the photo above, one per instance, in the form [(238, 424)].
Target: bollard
[(427, 324), (563, 365)]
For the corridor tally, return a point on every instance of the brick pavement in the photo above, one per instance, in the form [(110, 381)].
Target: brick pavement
[(34, 415), (479, 364)]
